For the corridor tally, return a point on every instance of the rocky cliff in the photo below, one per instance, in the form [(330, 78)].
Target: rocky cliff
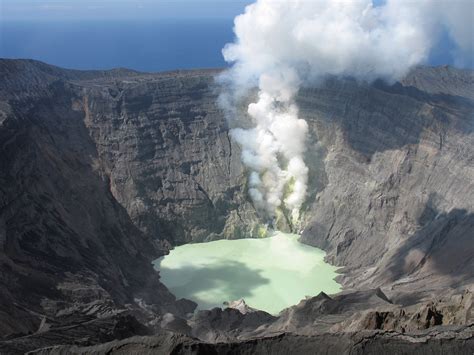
[(394, 168), (164, 144), (67, 246), (103, 171)]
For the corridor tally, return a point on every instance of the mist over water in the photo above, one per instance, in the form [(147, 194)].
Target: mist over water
[(269, 274)]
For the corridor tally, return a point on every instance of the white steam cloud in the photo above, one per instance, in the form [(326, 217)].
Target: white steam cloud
[(282, 44)]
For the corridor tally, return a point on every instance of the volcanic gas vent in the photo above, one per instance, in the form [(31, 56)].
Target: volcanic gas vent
[(282, 46)]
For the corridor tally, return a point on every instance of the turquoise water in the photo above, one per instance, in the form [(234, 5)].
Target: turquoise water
[(269, 274)]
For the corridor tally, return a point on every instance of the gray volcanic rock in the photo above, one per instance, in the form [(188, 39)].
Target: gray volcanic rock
[(457, 341), (443, 80), (164, 144), (454, 310), (65, 242), (103, 171), (347, 312), (241, 306), (219, 325), (96, 180), (393, 182), (79, 330), (322, 313)]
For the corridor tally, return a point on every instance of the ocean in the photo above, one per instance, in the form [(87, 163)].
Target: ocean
[(158, 45), (140, 45)]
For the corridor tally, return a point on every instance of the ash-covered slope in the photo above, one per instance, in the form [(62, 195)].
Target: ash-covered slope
[(102, 171), (67, 246)]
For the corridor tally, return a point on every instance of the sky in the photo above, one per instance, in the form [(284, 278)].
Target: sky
[(54, 10)]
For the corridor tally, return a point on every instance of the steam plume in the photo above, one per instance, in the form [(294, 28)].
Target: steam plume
[(281, 45)]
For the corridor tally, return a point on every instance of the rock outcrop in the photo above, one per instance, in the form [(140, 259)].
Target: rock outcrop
[(457, 341)]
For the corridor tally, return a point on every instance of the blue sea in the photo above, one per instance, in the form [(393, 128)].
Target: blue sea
[(159, 45), (145, 45)]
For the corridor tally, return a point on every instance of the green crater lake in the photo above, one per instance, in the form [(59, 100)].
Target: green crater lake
[(269, 274)]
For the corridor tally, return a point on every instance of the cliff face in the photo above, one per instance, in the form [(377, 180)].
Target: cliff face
[(395, 198), (165, 146), (66, 244), (101, 172)]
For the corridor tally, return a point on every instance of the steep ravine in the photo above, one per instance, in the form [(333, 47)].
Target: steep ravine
[(102, 171)]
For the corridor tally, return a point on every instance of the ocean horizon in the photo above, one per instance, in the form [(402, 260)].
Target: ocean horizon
[(149, 46), (143, 45)]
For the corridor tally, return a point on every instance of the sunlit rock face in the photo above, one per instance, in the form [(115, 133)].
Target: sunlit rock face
[(270, 274)]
